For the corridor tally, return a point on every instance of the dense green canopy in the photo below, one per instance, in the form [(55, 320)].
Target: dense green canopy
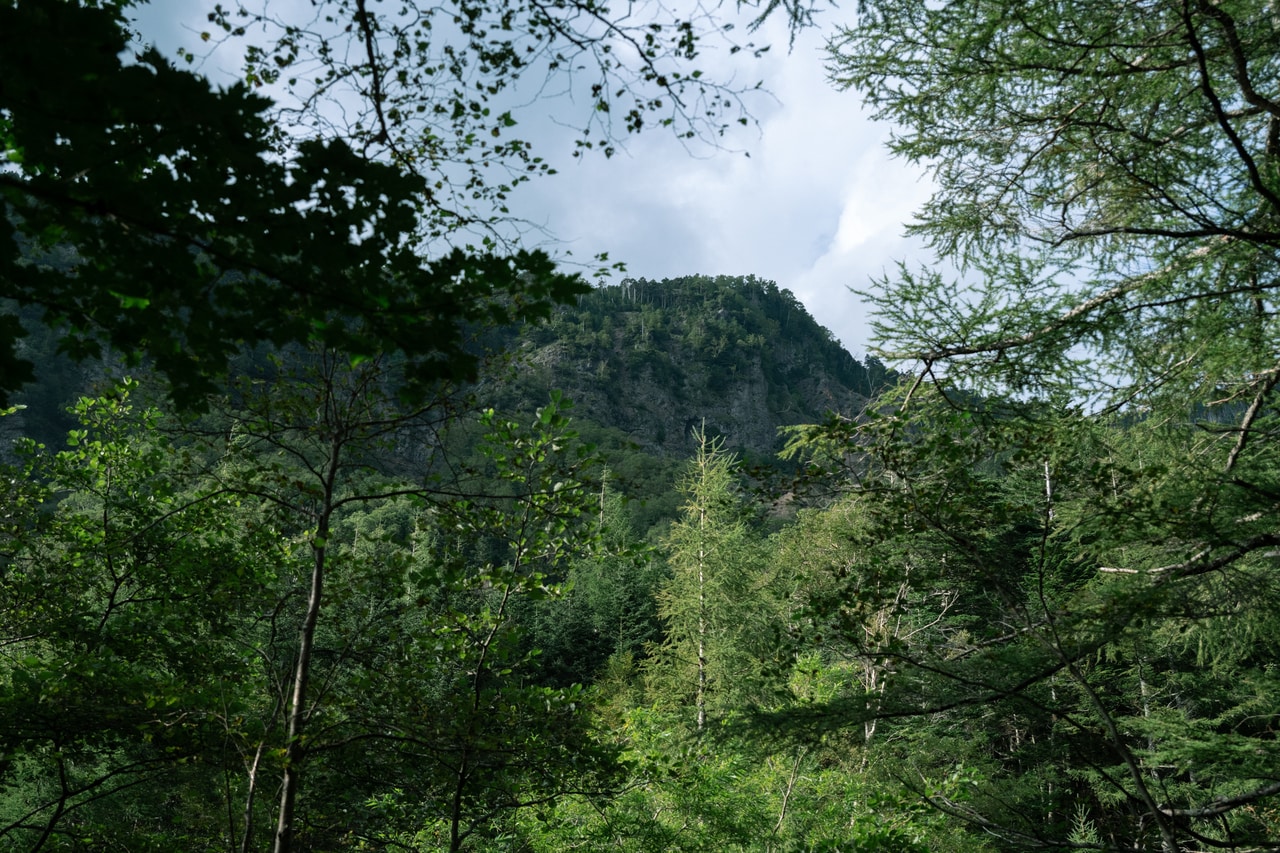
[(1085, 456)]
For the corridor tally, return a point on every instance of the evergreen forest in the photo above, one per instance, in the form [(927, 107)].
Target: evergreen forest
[(335, 518)]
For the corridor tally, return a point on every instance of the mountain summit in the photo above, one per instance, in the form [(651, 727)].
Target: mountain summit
[(654, 359)]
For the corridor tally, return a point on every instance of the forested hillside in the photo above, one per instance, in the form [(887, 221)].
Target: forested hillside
[(322, 557), (643, 363), (656, 359)]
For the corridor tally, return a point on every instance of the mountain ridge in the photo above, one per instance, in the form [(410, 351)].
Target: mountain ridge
[(654, 359)]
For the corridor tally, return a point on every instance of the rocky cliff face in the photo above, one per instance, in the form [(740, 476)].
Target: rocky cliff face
[(656, 359)]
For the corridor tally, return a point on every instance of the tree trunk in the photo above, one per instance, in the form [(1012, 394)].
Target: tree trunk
[(295, 751)]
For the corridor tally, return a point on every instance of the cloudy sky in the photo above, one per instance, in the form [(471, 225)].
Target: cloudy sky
[(817, 206)]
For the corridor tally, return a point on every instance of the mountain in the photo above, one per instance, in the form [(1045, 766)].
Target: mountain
[(654, 359), (644, 361)]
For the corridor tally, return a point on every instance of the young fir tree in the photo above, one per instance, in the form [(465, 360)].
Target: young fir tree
[(713, 604)]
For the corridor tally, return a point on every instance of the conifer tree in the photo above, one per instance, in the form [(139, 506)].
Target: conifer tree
[(1087, 433), (713, 602)]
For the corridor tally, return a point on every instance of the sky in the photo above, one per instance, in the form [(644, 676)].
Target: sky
[(807, 197), (818, 205)]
